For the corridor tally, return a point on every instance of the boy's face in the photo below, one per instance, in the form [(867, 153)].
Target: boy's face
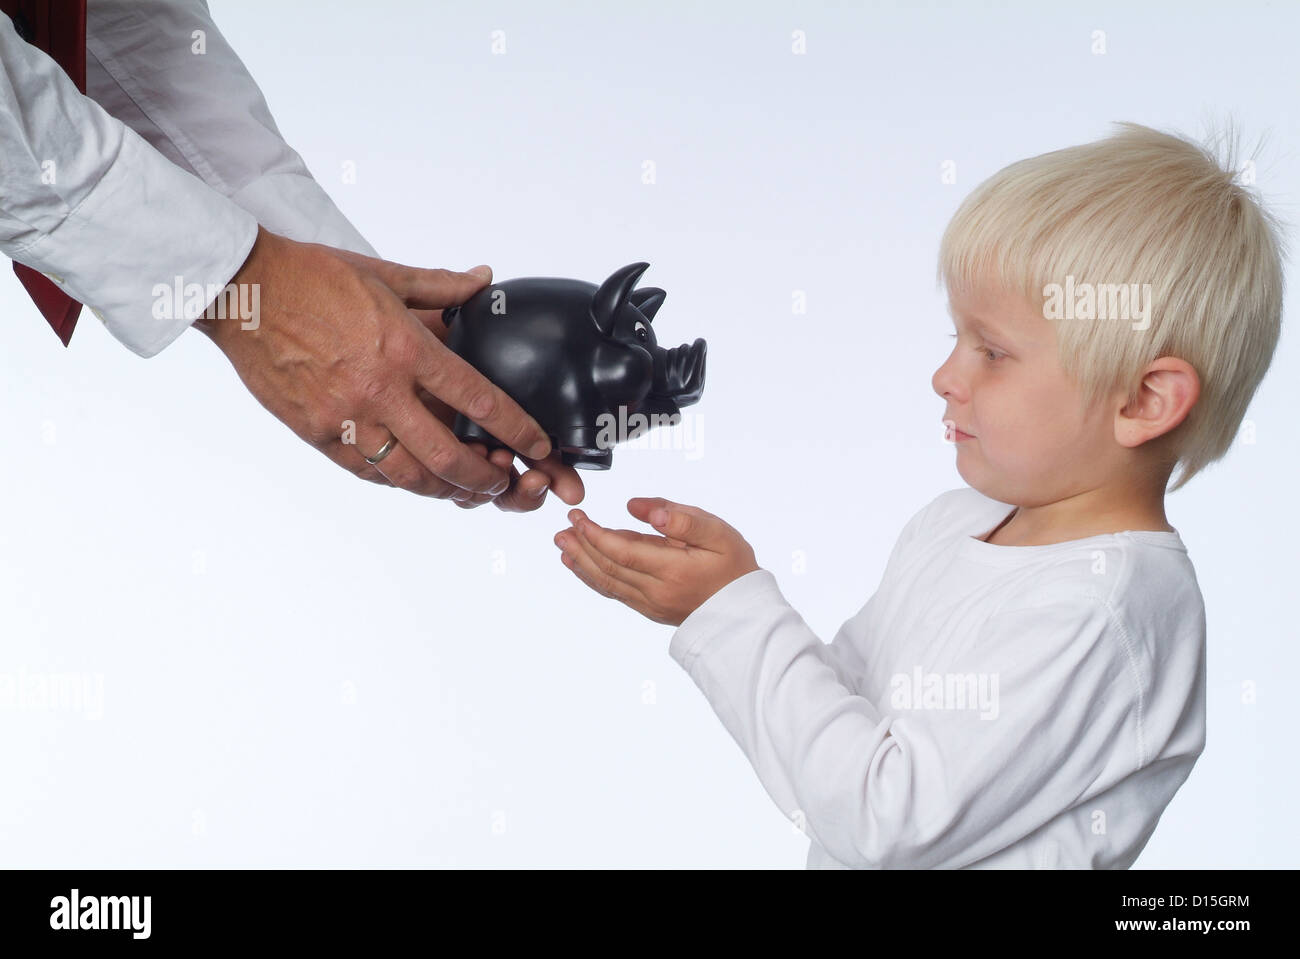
[(1030, 441)]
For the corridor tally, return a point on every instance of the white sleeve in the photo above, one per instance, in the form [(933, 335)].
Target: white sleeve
[(85, 200), (164, 69), (918, 788), (841, 653)]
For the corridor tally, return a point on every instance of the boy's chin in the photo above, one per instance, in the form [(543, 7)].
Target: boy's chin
[(980, 481), (967, 471)]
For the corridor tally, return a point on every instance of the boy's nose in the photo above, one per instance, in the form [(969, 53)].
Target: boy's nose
[(945, 382)]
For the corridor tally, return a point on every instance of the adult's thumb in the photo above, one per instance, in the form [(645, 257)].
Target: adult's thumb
[(434, 289)]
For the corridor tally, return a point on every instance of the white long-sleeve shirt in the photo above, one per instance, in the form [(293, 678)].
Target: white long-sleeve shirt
[(990, 706), (164, 169)]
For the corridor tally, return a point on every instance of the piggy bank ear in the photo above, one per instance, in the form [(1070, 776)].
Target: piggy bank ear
[(612, 294), (648, 300)]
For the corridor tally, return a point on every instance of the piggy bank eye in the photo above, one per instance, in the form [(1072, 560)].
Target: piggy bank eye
[(641, 331)]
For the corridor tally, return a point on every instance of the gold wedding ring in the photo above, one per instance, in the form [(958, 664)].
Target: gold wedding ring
[(387, 448)]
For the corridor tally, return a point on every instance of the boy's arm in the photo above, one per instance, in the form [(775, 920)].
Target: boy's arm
[(880, 785), (843, 655)]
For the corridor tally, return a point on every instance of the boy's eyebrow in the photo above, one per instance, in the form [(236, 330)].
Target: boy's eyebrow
[(980, 323)]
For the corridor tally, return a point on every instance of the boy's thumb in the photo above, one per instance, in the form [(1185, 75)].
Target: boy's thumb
[(677, 522), (680, 524)]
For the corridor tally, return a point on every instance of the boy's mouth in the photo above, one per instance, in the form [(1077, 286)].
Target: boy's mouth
[(956, 434)]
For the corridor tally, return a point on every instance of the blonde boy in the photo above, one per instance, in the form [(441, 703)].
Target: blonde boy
[(1026, 688)]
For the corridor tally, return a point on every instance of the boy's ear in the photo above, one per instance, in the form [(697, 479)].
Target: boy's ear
[(1168, 391)]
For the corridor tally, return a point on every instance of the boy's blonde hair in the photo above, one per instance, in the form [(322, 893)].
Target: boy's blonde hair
[(1140, 207)]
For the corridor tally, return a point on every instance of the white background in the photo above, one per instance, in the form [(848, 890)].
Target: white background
[(301, 668)]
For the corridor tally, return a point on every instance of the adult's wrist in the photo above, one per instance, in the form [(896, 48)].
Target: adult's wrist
[(217, 320)]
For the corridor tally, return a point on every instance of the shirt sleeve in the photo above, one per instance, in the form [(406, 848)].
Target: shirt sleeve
[(88, 202), (897, 784), (164, 69), (841, 653)]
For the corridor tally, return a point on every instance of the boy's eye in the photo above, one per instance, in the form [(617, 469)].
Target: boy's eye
[(992, 355)]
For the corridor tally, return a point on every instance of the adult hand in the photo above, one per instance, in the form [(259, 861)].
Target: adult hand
[(526, 492), (337, 355)]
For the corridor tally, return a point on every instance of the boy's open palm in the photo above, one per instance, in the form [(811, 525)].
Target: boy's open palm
[(664, 578)]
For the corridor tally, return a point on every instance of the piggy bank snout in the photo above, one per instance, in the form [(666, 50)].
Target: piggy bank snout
[(683, 373)]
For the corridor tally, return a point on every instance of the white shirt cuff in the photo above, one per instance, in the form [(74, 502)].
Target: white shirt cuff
[(721, 613), (298, 207), (145, 223)]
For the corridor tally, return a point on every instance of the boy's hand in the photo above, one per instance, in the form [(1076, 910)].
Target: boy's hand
[(664, 578)]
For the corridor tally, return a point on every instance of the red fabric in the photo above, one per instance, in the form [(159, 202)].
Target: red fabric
[(59, 28)]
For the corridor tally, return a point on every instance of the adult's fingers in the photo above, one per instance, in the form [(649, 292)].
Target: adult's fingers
[(406, 472), (471, 500), (426, 438), (459, 385), (399, 467), (563, 480), (506, 460), (526, 493), (433, 289), (345, 456), (430, 289), (502, 457), (432, 321)]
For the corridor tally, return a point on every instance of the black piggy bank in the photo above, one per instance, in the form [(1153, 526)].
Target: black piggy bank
[(582, 360)]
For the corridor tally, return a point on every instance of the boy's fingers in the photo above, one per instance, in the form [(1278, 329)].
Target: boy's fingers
[(580, 558), (608, 591), (687, 524), (633, 561), (617, 563), (654, 539), (641, 506)]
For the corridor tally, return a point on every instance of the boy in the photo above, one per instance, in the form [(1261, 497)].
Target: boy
[(1026, 688)]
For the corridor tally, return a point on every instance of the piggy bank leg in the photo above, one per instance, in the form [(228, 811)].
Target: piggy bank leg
[(580, 448), (586, 460)]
